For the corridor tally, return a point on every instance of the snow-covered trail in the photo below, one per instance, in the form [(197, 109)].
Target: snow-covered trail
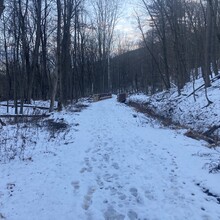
[(119, 166)]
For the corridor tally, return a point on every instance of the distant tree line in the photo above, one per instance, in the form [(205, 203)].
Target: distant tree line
[(181, 42)]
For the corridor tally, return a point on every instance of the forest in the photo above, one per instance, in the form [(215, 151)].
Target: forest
[(62, 50), (109, 109)]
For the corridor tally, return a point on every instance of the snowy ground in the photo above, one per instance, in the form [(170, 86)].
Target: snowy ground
[(113, 163), (191, 111)]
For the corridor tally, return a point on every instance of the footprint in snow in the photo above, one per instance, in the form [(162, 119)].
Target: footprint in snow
[(109, 149), (112, 214), (115, 165), (75, 185), (10, 188), (88, 198), (106, 157), (88, 167), (84, 169), (93, 159), (95, 151), (149, 195), (99, 182), (122, 196), (134, 192), (113, 191), (110, 178), (88, 150), (132, 215), (105, 144), (86, 159)]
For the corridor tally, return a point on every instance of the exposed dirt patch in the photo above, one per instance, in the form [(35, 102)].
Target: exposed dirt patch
[(77, 107), (147, 110), (56, 126)]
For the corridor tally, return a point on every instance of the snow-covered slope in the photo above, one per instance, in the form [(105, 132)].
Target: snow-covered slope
[(113, 163), (185, 110)]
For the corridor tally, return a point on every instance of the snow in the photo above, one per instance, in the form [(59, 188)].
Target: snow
[(185, 110), (111, 163)]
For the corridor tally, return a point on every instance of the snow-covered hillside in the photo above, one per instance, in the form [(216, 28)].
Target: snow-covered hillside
[(110, 162), (184, 109)]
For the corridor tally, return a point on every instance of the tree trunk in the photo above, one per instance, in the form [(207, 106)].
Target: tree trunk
[(207, 70)]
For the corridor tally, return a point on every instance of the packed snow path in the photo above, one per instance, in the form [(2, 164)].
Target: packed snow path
[(119, 165)]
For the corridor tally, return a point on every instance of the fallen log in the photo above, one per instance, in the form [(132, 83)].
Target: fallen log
[(27, 106), (105, 97), (25, 116), (211, 130), (203, 85), (102, 96), (199, 136)]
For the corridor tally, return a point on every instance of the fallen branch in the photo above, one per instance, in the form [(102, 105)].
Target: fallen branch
[(99, 97), (27, 106), (211, 130), (24, 116), (105, 97), (199, 136), (212, 80), (2, 123)]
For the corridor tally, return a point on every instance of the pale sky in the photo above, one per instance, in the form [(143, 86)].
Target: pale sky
[(127, 24)]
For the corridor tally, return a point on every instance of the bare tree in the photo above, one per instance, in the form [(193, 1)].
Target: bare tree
[(207, 70), (1, 7), (106, 15), (157, 14)]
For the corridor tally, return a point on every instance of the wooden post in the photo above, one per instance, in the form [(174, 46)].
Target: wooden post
[(122, 97)]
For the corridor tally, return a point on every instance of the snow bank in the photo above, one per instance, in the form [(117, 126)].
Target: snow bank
[(191, 111)]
